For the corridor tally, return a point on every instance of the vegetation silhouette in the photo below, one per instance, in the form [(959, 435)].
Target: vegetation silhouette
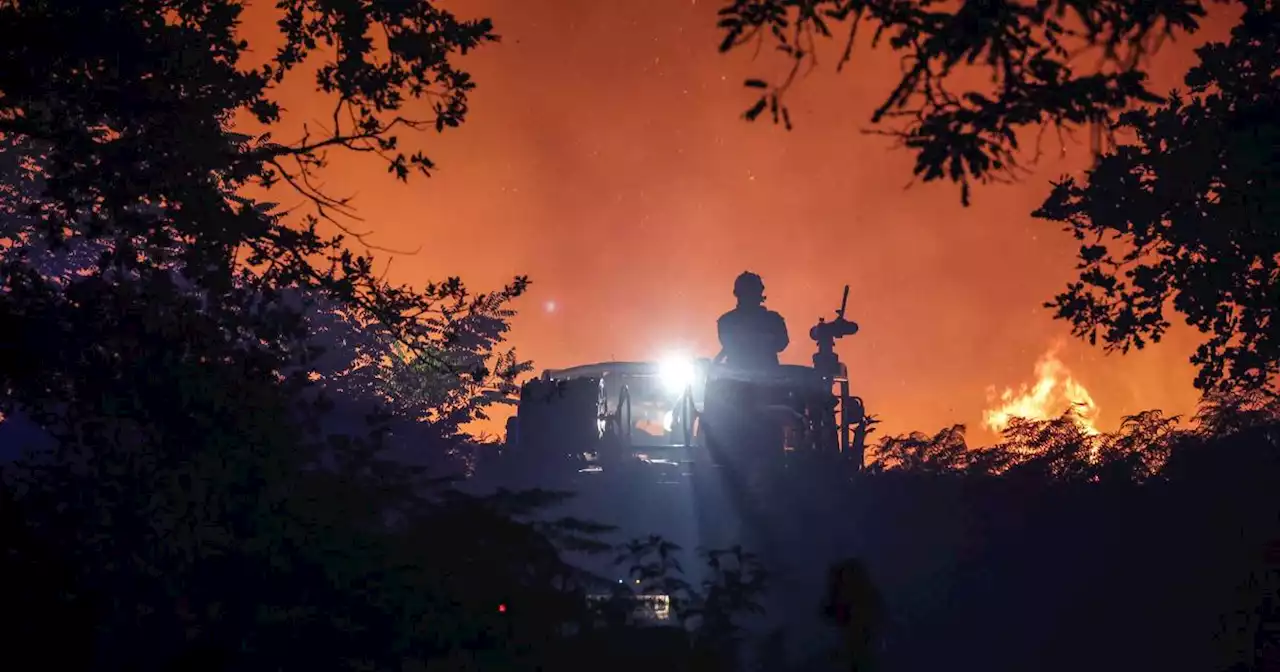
[(1032, 52), (1063, 548), (1185, 217)]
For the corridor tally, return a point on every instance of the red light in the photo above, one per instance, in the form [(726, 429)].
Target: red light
[(502, 608)]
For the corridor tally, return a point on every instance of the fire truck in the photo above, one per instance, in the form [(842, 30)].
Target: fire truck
[(617, 415)]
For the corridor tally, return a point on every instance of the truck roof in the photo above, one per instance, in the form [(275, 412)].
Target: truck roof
[(600, 368)]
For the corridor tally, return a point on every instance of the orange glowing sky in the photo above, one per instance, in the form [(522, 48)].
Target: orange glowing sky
[(604, 157)]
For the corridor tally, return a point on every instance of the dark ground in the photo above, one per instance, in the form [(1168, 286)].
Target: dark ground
[(984, 573)]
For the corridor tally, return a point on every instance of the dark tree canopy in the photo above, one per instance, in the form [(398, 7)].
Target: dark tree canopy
[(163, 329), (125, 185), (1188, 217), (1060, 63), (120, 115)]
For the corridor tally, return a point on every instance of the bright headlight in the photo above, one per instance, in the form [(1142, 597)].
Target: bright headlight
[(676, 374)]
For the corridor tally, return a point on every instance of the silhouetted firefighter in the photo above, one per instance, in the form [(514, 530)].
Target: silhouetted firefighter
[(751, 336)]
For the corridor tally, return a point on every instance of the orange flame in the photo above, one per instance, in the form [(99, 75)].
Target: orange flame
[(1053, 394)]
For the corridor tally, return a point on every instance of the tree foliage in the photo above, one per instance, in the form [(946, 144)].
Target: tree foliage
[(129, 240), (218, 480), (1160, 535), (942, 452), (1185, 218), (124, 118), (1037, 55), (1064, 450), (435, 394), (1223, 413)]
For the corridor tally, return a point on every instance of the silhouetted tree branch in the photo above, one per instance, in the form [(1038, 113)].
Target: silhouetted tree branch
[(1185, 218), (1032, 50), (127, 116)]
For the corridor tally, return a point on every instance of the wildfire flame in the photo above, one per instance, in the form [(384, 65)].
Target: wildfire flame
[(1054, 392)]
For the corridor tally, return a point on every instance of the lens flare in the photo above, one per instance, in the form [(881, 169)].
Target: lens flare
[(676, 373)]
